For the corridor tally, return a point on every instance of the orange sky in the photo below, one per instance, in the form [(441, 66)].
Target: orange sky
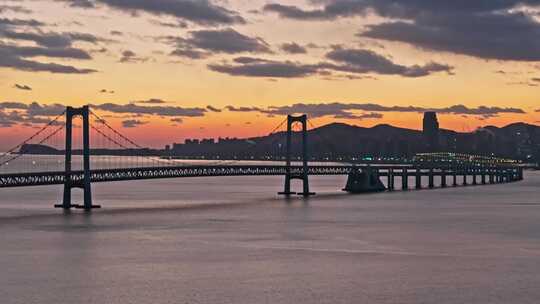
[(148, 70)]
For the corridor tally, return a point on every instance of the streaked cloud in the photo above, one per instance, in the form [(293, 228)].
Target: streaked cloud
[(204, 43), (151, 110), (129, 56), (349, 110), (500, 30), (213, 109), (366, 61), (197, 11), (293, 48), (350, 61), (22, 87), (9, 58), (258, 67), (133, 123)]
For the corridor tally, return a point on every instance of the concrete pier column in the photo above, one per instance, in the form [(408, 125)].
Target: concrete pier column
[(443, 178), (474, 171), (404, 179), (491, 176), (391, 179), (431, 178), (454, 176), (418, 178), (465, 172), (483, 177)]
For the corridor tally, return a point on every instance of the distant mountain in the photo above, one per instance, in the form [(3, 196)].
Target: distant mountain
[(38, 149), (343, 141)]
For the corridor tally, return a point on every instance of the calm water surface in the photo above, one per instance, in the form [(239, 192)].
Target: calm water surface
[(233, 240)]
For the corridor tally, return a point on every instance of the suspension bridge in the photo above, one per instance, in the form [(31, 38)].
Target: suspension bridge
[(68, 160)]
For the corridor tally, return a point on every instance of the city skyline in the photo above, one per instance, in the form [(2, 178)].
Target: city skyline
[(172, 70)]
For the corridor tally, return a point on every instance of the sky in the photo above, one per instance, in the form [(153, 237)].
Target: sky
[(166, 70)]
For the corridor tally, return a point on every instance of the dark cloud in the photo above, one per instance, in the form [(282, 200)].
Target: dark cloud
[(293, 48), (150, 101), (15, 9), (133, 123), (188, 52), (365, 61), (503, 37), (34, 51), (9, 59), (6, 22), (256, 67), (17, 113), (131, 57), (344, 109), (362, 116), (294, 12), (197, 11), (177, 121), (51, 39), (177, 24), (369, 110), (13, 105), (48, 44), (22, 87), (80, 3), (213, 109), (350, 61), (499, 31), (36, 109), (151, 110), (204, 43), (244, 109)]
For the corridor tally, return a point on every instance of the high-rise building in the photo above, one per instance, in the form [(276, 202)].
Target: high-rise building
[(431, 131)]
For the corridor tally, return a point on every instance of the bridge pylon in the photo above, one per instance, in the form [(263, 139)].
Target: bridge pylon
[(85, 182), (303, 175)]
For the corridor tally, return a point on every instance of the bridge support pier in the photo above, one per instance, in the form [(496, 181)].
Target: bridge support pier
[(404, 179), (418, 178), (431, 179), (364, 180), (289, 175), (391, 186), (85, 183), (474, 181), (443, 178), (483, 176), (465, 170)]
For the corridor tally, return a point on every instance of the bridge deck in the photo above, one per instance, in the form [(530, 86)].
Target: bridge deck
[(125, 174)]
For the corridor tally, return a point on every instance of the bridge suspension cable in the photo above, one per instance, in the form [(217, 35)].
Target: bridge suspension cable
[(21, 153), (116, 138), (330, 144), (250, 148), (35, 135)]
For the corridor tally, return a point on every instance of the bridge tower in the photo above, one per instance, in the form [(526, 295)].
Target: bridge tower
[(84, 183), (303, 175)]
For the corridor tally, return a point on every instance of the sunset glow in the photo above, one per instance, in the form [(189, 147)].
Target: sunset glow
[(235, 68)]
